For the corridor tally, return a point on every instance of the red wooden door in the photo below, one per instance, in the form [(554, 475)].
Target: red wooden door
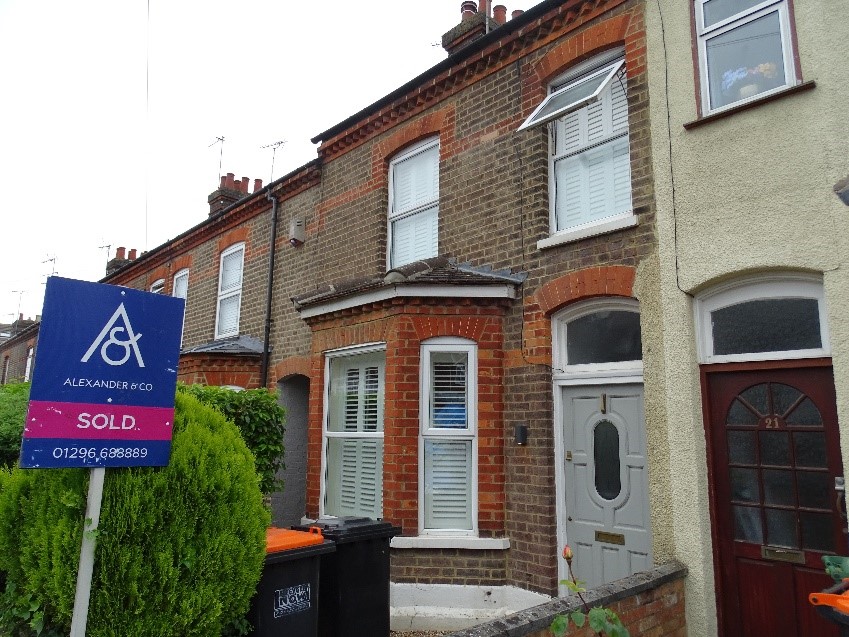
[(775, 455)]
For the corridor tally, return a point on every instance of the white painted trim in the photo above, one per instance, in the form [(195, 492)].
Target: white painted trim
[(740, 19), (559, 322), (768, 285), (236, 247), (450, 542), (470, 348), (352, 350), (626, 220), (411, 291)]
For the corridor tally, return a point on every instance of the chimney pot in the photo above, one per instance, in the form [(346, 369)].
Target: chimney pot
[(483, 6), (257, 185), (245, 182), (499, 12), (223, 181), (132, 255), (120, 252), (468, 9), (228, 182), (516, 14)]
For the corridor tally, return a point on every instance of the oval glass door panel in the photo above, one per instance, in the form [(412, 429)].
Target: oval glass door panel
[(608, 482)]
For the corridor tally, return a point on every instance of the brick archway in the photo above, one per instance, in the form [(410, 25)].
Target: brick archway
[(609, 280)]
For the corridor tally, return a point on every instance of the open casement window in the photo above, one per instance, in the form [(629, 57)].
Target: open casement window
[(414, 204), (448, 467), (157, 286), (354, 436), (590, 160), (229, 291), (745, 50)]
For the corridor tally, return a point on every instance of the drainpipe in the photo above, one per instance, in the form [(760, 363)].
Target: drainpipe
[(263, 373)]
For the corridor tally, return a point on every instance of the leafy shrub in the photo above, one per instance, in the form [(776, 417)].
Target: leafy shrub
[(13, 413), (179, 548), (260, 419)]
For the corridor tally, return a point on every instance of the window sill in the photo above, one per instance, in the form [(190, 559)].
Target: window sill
[(790, 90), (453, 542), (617, 223)]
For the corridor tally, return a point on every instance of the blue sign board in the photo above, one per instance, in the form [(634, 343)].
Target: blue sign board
[(105, 376)]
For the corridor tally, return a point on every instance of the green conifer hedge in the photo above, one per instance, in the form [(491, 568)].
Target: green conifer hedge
[(179, 549)]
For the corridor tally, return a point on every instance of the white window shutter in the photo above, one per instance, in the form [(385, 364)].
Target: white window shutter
[(415, 237), (591, 165), (228, 315), (231, 271), (181, 285), (448, 483), (355, 472), (416, 180)]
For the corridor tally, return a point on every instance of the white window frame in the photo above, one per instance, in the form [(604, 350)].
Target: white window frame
[(158, 286), (227, 294), (755, 288), (469, 433), (181, 274), (28, 369), (329, 357), (705, 34), (591, 373), (184, 273), (420, 209), (611, 66)]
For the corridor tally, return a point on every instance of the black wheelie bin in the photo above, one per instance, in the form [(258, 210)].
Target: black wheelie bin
[(287, 595), (354, 593)]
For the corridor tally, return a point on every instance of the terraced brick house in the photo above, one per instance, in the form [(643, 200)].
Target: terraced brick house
[(575, 283)]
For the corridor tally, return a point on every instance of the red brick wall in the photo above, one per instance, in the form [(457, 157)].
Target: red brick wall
[(493, 210), (403, 326), (205, 369)]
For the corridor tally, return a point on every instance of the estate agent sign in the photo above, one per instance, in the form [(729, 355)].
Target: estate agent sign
[(103, 385)]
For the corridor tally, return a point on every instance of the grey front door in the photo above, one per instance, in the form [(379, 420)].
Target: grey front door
[(607, 515)]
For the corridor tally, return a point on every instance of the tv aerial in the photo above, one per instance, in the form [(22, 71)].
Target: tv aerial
[(274, 146)]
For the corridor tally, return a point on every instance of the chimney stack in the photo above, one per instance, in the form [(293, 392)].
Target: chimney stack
[(119, 261), (229, 191), (468, 10), (132, 255)]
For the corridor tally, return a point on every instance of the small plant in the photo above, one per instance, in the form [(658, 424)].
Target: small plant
[(602, 620)]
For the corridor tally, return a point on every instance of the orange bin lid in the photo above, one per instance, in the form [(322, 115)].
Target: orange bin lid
[(277, 540)]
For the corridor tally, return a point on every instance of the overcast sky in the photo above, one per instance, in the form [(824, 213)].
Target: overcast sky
[(111, 109)]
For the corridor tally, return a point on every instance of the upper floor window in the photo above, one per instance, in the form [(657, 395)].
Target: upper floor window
[(590, 160), (157, 286), (230, 291), (414, 204), (449, 441), (745, 50), (766, 317), (180, 288), (28, 370)]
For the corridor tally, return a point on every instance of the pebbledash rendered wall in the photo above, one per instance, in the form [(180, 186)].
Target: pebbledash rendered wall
[(493, 209), (747, 193)]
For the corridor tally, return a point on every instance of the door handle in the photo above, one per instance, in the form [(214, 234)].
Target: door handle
[(568, 456), (840, 501)]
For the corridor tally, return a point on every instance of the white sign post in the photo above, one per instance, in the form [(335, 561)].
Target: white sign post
[(92, 518)]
